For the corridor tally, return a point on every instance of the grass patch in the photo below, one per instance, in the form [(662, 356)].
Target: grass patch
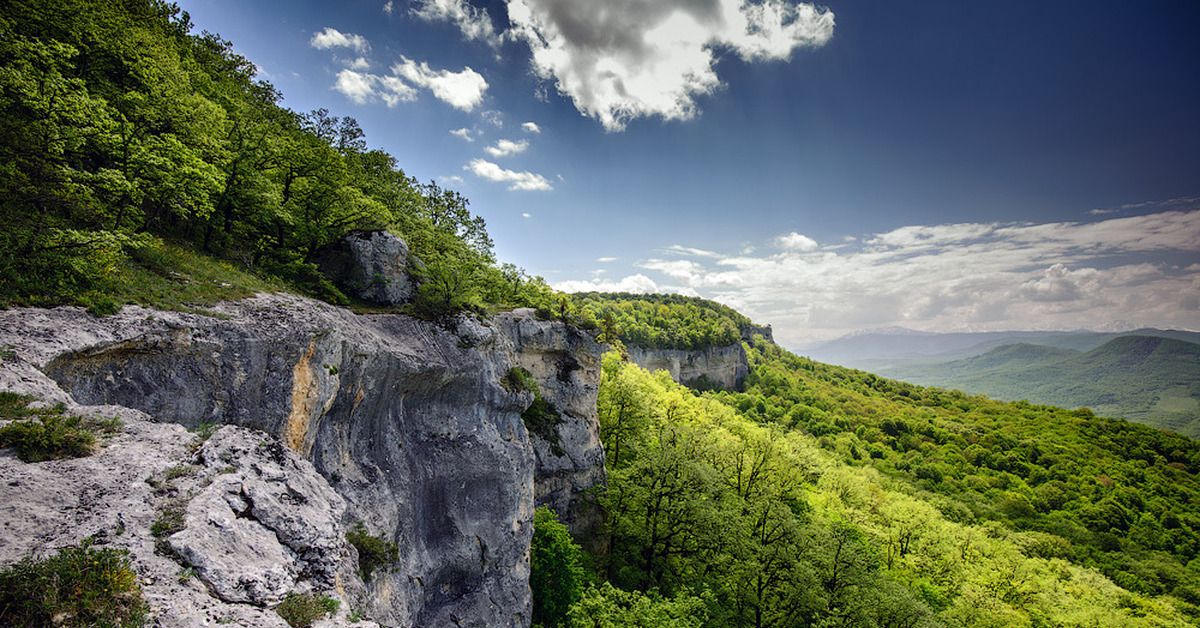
[(373, 551), (171, 276), (39, 434), (300, 611), (79, 586)]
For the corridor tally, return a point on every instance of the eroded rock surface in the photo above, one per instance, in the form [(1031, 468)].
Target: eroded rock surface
[(371, 265), (723, 366), (406, 421)]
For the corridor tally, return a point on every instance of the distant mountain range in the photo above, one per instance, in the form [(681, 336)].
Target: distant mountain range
[(1150, 376)]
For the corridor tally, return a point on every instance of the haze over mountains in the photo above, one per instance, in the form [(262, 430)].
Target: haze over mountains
[(1148, 375)]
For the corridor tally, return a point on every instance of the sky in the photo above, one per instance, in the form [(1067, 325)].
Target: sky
[(861, 164)]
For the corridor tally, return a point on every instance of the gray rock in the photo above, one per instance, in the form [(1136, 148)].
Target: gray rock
[(725, 366), (406, 420), (371, 265), (565, 363), (265, 520)]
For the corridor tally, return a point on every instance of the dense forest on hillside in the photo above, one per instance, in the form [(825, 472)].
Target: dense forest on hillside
[(127, 142), (1148, 379), (662, 321), (824, 496)]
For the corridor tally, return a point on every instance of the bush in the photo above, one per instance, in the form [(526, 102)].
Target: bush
[(300, 611), (373, 551), (48, 437), (79, 586)]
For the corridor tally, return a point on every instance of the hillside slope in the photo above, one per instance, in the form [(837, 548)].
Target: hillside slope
[(1151, 380)]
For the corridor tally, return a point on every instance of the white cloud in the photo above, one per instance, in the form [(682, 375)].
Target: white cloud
[(797, 242), (463, 133), (964, 277), (637, 284), (621, 61), (474, 23), (525, 181), (362, 88), (531, 127), (333, 38), (527, 215), (462, 90), (606, 260), (452, 179), (507, 147), (388, 7), (679, 249)]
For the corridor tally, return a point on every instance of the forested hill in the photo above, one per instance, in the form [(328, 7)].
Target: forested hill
[(665, 321), (128, 144), (828, 496), (1148, 379)]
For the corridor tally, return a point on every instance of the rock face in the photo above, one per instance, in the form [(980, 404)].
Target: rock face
[(406, 421), (566, 365), (723, 366), (371, 265)]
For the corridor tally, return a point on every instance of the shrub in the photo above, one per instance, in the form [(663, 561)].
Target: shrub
[(48, 437), (300, 611), (373, 551), (45, 433), (79, 586)]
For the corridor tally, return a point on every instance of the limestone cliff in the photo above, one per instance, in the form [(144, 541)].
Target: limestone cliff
[(405, 421), (723, 366)]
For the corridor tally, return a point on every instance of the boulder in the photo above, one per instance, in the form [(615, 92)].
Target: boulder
[(370, 265)]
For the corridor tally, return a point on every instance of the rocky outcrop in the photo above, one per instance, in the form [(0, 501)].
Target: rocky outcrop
[(565, 363), (406, 421), (370, 265), (724, 366)]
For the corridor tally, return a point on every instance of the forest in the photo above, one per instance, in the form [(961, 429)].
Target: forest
[(662, 321), (128, 144), (824, 496)]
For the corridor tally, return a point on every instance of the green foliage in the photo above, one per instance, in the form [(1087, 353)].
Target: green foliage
[(662, 321), (608, 607), (825, 496), (556, 576), (301, 610), (119, 126), (373, 551), (517, 379), (80, 586), (48, 434)]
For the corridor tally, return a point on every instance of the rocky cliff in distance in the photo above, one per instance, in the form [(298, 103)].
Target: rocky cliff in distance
[(724, 366), (405, 421)]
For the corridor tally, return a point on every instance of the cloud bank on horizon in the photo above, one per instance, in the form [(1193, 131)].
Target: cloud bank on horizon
[(950, 277)]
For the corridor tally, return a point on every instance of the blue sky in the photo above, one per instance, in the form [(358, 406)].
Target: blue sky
[(944, 166)]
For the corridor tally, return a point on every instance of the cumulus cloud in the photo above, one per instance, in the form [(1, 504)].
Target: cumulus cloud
[(621, 61), (961, 277), (463, 133), (797, 242), (606, 260), (524, 181), (360, 63), (507, 147), (531, 127), (333, 38), (462, 90), (637, 284), (364, 87), (475, 23)]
